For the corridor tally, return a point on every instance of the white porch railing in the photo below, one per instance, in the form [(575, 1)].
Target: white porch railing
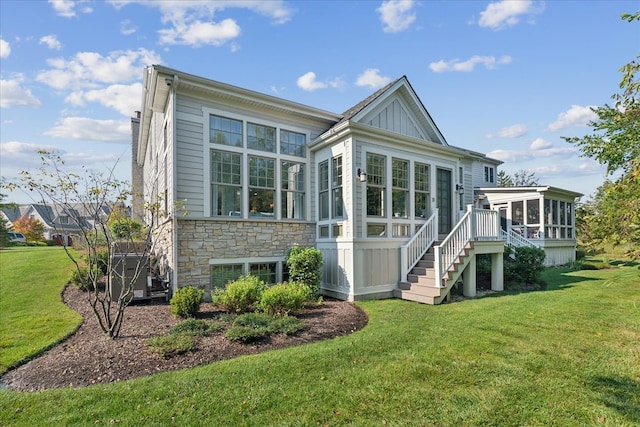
[(476, 224), (412, 251), (514, 239)]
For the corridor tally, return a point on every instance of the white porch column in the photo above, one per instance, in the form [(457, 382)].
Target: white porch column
[(497, 271), (469, 278)]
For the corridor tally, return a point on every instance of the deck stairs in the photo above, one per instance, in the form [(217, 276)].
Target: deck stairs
[(421, 284)]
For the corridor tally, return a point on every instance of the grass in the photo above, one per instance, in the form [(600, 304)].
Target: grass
[(567, 356), (32, 315)]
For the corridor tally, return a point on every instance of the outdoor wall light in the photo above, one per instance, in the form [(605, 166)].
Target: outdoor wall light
[(362, 175), (460, 189)]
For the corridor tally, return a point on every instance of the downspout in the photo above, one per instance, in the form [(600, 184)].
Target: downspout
[(174, 220)]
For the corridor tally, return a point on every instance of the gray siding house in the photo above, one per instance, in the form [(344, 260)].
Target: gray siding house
[(243, 176)]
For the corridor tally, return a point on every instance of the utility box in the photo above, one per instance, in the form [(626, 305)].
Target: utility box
[(124, 270)]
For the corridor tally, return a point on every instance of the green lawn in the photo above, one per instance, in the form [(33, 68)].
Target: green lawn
[(568, 356), (32, 314)]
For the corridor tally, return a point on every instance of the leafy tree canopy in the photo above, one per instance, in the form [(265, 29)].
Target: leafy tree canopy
[(615, 141)]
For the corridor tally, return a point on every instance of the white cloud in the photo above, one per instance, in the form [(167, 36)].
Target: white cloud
[(507, 13), (13, 94), (15, 150), (575, 116), (539, 148), (192, 22), (123, 98), (199, 33), (371, 78), (489, 62), (51, 41), (66, 8), (127, 28), (90, 69), (513, 131), (396, 15), (82, 128), (309, 82), (540, 144), (5, 49)]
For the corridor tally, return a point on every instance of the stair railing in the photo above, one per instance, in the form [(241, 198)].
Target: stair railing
[(417, 246), (475, 224)]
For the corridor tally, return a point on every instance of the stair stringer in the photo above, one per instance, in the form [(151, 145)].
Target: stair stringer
[(454, 273)]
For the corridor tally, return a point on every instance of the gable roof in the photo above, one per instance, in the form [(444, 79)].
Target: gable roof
[(415, 109)]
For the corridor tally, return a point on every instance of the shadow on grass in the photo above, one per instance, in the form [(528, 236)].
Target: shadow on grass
[(619, 393), (557, 280)]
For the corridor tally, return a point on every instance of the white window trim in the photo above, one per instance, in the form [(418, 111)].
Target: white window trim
[(207, 146)]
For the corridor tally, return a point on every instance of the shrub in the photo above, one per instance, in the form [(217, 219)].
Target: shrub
[(186, 301), (527, 266), (286, 325), (284, 298), (125, 228), (240, 296), (305, 266), (245, 334), (80, 277), (172, 345)]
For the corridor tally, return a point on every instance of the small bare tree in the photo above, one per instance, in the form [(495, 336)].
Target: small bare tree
[(87, 200)]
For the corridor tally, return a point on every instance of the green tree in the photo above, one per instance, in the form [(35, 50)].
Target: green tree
[(94, 192), (32, 228), (504, 180), (522, 178), (611, 216)]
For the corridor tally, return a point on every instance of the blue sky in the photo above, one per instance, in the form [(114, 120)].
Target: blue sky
[(506, 78)]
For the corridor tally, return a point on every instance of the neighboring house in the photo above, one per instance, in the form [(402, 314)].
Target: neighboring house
[(373, 189), (540, 216), (60, 224)]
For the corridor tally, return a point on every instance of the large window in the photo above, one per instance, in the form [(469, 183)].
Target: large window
[(223, 274), (323, 189), (226, 183), (292, 143), (293, 185), (261, 137), (264, 271), (336, 187), (246, 185), (421, 177), (400, 188), (376, 185), (225, 131), (262, 186), (558, 219)]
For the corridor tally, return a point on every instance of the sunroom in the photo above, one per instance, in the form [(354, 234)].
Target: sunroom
[(541, 216)]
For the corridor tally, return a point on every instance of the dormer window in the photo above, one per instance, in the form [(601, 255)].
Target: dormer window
[(489, 174)]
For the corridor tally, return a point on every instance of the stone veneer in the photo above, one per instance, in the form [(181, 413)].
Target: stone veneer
[(204, 239)]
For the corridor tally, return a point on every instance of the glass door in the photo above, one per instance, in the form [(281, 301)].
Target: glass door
[(444, 200)]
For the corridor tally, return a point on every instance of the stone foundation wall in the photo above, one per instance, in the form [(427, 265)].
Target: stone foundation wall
[(204, 239)]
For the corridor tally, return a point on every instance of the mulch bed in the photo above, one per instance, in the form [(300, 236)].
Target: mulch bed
[(90, 357)]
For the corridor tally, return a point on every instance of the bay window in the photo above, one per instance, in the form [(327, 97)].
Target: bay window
[(293, 185), (336, 187), (376, 185)]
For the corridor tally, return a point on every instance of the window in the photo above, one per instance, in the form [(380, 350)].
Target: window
[(488, 174), (558, 219), (336, 187), (64, 219), (264, 271), (261, 137), (292, 143), (226, 183), (262, 186), (421, 178), (225, 131), (223, 274), (376, 230), (323, 188), (293, 200), (376, 185), (400, 188)]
